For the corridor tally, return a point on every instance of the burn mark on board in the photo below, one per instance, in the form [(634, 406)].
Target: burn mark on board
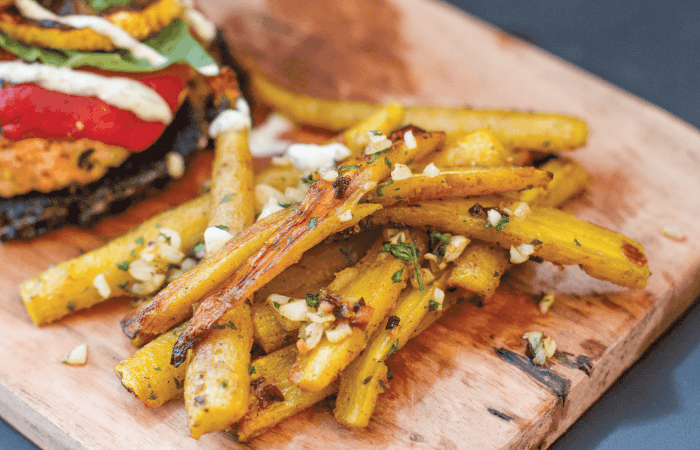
[(582, 362), (500, 415), (557, 384)]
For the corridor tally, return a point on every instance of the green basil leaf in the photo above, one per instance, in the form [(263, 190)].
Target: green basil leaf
[(174, 42)]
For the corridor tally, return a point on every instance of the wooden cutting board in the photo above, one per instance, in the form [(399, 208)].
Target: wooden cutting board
[(464, 383)]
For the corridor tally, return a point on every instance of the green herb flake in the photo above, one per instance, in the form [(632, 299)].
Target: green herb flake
[(381, 186), (231, 325), (251, 369), (222, 227), (343, 169), (140, 241), (199, 247), (376, 132), (124, 265), (157, 368), (152, 396), (502, 222), (406, 252), (577, 242), (433, 305), (226, 198), (308, 179), (123, 285), (224, 384), (285, 204), (165, 237), (218, 327), (71, 307), (396, 277), (440, 236), (394, 348), (159, 225), (387, 161), (133, 253), (376, 156), (312, 222), (312, 300), (276, 305)]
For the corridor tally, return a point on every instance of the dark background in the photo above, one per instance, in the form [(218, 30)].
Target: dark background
[(652, 49)]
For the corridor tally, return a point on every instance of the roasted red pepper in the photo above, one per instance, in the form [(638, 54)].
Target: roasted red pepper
[(30, 111)]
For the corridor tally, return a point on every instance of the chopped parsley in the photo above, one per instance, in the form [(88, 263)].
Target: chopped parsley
[(166, 237), (152, 396), (381, 186), (396, 277), (276, 305), (312, 222), (440, 236), (199, 247), (140, 241), (251, 369), (216, 326), (577, 242), (123, 285), (343, 169), (312, 300), (156, 368), (159, 225), (231, 325), (394, 348), (133, 253), (502, 222), (71, 307), (376, 132), (285, 204), (405, 252), (387, 161), (226, 198), (433, 305), (308, 179), (124, 265), (376, 156), (222, 227), (224, 384)]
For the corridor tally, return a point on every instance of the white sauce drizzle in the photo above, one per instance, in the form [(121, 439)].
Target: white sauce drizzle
[(124, 93), (32, 10), (232, 119)]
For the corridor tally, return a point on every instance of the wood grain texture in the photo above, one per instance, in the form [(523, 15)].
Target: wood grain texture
[(464, 383)]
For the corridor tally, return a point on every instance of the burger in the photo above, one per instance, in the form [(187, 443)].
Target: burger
[(93, 109)]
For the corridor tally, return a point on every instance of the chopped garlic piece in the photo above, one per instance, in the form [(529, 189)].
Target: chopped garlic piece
[(346, 216), (321, 317), (375, 136), (540, 347), (330, 175), (340, 332), (521, 253), (77, 356), (439, 297), (170, 254), (272, 206), (377, 144), (455, 247), (281, 161), (522, 210), (175, 164), (142, 270), (409, 140), (101, 285), (493, 217), (550, 347), (278, 299), (314, 157), (400, 172), (150, 286), (215, 238), (296, 310), (170, 237), (431, 170), (546, 303), (313, 333)]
